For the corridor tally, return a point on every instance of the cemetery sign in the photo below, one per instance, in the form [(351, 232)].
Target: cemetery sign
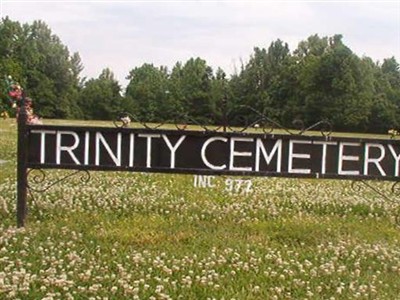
[(211, 153), (198, 152)]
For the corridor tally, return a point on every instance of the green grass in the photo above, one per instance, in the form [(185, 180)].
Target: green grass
[(155, 236)]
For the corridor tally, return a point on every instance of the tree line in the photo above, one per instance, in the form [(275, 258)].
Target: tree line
[(322, 79)]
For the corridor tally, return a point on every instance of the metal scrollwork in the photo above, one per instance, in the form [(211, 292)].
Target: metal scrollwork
[(359, 185), (396, 189), (261, 121), (39, 183), (299, 125), (325, 128), (124, 119), (182, 121), (252, 120)]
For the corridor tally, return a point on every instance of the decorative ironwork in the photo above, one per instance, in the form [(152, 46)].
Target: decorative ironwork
[(259, 122), (396, 189), (325, 128), (182, 121), (124, 119), (38, 178), (359, 185)]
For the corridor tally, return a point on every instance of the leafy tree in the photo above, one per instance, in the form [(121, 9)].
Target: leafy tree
[(220, 95), (10, 35), (100, 98), (321, 79), (385, 107), (262, 84), (191, 86), (391, 73), (314, 46), (147, 94), (36, 58), (334, 84)]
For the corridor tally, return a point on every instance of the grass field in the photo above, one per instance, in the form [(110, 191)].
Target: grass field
[(154, 236)]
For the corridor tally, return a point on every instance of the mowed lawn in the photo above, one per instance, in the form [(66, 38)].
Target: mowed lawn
[(156, 236)]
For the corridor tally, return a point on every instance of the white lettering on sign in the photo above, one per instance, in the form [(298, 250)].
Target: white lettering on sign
[(396, 160), (203, 181), (173, 148), (204, 149), (87, 145), (342, 158), (368, 160), (43, 142), (67, 149), (236, 186), (324, 151), (225, 153), (234, 153), (149, 138), (293, 155), (277, 149), (131, 149), (116, 158)]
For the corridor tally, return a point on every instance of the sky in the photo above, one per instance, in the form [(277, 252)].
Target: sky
[(125, 34)]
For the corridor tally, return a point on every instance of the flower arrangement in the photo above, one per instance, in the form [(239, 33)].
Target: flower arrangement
[(125, 121), (15, 93), (393, 133)]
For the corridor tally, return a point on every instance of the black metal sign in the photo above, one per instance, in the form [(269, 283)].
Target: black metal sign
[(199, 152)]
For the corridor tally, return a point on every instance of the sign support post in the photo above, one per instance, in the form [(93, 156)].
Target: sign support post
[(22, 181)]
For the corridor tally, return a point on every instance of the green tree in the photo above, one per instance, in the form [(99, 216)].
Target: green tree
[(220, 96), (334, 84), (36, 58), (148, 95), (385, 108), (191, 86), (100, 98), (10, 36), (391, 74), (263, 83)]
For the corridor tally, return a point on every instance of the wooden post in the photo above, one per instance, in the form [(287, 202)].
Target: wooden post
[(22, 180)]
